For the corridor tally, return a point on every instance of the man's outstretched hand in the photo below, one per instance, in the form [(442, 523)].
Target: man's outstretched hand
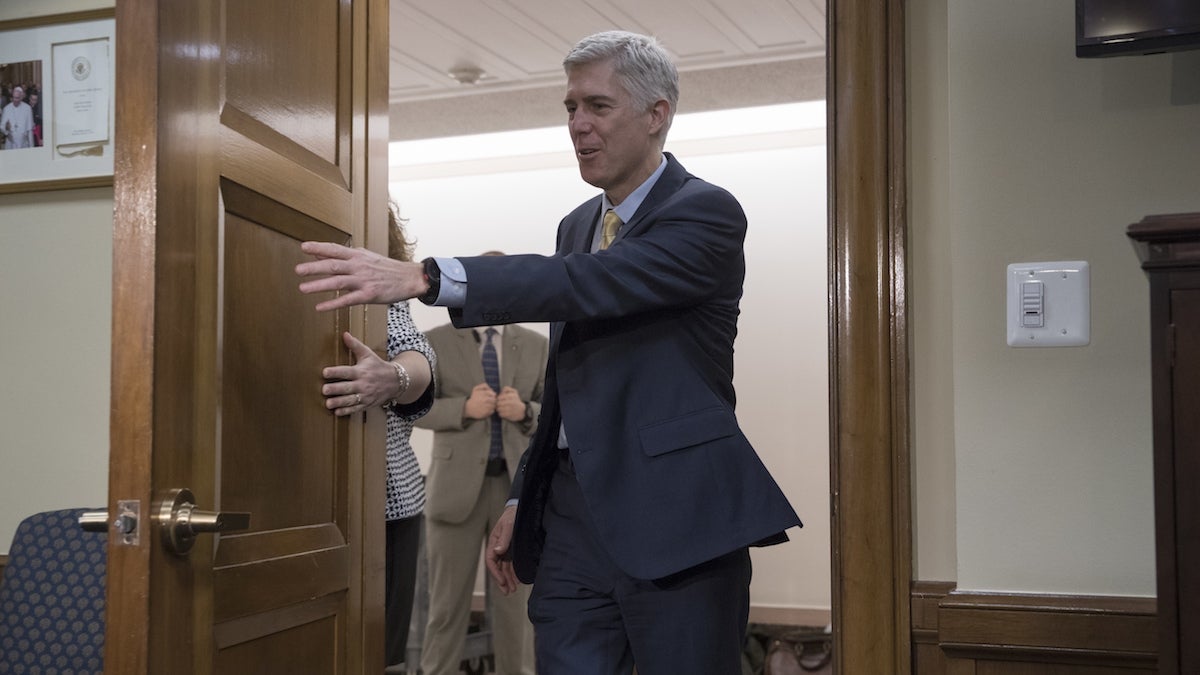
[(361, 277)]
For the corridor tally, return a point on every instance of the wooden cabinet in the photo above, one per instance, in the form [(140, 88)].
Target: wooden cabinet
[(1169, 248)]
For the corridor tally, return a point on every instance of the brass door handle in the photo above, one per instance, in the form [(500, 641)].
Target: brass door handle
[(181, 521)]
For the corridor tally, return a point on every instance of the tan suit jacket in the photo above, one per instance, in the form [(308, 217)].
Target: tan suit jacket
[(460, 445)]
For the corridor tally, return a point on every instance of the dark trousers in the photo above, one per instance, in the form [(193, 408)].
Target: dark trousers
[(402, 539), (590, 618)]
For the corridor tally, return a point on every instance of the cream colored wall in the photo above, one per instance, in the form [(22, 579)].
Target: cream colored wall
[(934, 554), (20, 9), (1023, 152), (56, 272)]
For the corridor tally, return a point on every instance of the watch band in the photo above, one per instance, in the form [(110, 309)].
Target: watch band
[(433, 277)]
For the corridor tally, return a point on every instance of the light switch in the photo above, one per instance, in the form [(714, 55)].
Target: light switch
[(1049, 304), (1031, 305)]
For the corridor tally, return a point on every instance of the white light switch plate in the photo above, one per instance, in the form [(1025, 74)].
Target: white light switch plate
[(1066, 305)]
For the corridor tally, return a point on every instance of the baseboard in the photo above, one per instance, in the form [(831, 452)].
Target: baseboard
[(953, 630), (790, 616)]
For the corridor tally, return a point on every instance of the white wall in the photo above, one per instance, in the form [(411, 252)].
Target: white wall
[(55, 313), (20, 9), (56, 272), (1023, 152), (934, 511), (777, 171)]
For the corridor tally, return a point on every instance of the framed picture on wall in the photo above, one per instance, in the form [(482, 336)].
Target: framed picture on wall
[(56, 101)]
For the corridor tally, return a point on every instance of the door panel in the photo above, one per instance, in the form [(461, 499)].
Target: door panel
[(242, 130), (302, 649), (278, 444), (284, 55)]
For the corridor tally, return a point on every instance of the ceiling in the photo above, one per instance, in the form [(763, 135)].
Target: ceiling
[(518, 46), (521, 43)]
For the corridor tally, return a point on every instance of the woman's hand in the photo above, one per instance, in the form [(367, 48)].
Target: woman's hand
[(370, 382)]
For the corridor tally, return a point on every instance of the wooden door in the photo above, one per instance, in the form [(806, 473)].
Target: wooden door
[(243, 128)]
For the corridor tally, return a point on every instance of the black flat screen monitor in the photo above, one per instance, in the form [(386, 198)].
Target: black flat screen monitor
[(1127, 27)]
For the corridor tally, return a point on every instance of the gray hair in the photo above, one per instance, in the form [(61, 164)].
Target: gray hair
[(643, 67)]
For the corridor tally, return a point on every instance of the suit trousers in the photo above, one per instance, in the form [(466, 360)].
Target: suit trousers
[(454, 550), (590, 618)]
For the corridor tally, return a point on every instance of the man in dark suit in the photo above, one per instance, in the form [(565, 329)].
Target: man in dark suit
[(639, 495)]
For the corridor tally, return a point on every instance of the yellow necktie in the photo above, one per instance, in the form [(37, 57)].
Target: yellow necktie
[(612, 223)]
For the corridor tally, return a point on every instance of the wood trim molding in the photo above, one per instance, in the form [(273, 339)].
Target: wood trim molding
[(789, 616), (1168, 246), (871, 542), (1067, 630), (3, 564), (1167, 241), (926, 596)]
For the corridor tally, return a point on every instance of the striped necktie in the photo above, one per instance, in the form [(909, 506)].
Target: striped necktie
[(612, 223), (491, 375)]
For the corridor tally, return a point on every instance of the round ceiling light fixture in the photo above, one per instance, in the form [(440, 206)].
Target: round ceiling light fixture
[(467, 74)]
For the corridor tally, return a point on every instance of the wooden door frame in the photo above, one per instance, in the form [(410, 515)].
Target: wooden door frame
[(870, 541), (132, 381)]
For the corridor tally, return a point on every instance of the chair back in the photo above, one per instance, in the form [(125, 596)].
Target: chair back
[(52, 597)]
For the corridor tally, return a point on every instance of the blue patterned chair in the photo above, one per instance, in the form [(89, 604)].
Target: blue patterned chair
[(52, 598)]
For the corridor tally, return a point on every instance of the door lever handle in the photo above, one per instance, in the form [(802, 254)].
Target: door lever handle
[(181, 521), (223, 521)]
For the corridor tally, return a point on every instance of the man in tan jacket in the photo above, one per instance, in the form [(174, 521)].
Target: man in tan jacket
[(469, 478)]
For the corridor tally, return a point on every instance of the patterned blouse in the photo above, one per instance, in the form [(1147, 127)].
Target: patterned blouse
[(405, 485)]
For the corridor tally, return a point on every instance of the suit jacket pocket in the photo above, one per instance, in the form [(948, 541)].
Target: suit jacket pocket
[(689, 430)]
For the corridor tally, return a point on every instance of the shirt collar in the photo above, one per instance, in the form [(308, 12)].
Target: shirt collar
[(481, 332), (630, 206)]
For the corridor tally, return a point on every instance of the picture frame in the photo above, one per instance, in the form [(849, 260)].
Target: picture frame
[(57, 104)]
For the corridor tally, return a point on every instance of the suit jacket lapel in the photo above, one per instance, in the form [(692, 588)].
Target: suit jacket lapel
[(577, 238), (578, 235), (672, 179), (468, 355), (581, 234), (510, 361)]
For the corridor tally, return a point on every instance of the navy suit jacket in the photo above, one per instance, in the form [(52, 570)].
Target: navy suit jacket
[(641, 372)]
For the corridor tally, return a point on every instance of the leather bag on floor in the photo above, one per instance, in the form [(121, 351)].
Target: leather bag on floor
[(800, 653)]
